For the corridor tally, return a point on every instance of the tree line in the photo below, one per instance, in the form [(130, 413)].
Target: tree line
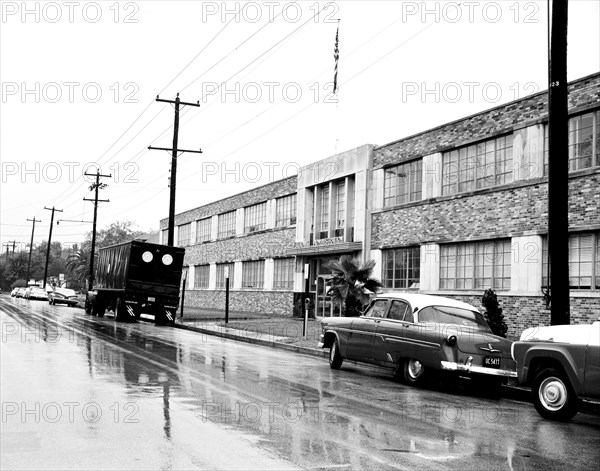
[(72, 262)]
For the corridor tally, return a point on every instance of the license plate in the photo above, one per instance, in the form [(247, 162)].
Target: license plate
[(151, 299), (491, 362)]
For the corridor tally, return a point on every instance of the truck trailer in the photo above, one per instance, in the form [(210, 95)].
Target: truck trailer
[(135, 277)]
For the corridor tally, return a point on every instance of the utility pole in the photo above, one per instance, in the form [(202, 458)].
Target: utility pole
[(7, 245), (95, 186), (174, 151), (558, 164), (34, 220), (49, 243)]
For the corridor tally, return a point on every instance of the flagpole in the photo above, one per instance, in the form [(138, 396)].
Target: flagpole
[(336, 56)]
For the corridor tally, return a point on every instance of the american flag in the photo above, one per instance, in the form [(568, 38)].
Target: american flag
[(336, 56)]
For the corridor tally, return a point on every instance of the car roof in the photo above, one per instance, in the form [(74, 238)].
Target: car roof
[(420, 301)]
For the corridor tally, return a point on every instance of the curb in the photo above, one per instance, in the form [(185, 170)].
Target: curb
[(252, 340)]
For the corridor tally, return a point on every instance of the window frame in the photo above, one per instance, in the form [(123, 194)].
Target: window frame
[(410, 256), (470, 174), (283, 273), (188, 234), (594, 262), (220, 274), (201, 234), (226, 226), (285, 210), (201, 276), (253, 274), (411, 173), (255, 218), (470, 261)]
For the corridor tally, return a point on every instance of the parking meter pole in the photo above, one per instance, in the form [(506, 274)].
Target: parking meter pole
[(182, 297), (226, 300)]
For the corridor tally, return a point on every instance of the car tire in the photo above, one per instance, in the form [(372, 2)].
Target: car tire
[(335, 358), (413, 372), (553, 395)]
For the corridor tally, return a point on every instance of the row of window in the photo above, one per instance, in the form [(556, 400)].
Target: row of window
[(490, 163), (253, 274), (482, 265), (255, 219)]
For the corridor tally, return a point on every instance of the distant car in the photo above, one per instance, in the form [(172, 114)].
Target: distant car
[(20, 293), (417, 334), (561, 363), (63, 296), (35, 292), (14, 292)]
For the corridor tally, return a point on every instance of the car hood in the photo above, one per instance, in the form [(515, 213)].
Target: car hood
[(572, 334)]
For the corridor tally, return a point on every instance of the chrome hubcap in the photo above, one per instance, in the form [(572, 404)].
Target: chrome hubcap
[(332, 352), (553, 394), (415, 369)]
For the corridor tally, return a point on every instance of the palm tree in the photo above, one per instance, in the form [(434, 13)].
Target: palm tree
[(352, 283), (79, 264)]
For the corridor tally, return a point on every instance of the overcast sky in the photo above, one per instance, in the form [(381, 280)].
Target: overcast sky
[(79, 82)]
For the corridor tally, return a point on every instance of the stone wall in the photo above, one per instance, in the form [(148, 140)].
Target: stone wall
[(493, 213), (266, 302)]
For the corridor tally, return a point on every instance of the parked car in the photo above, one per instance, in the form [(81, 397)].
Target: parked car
[(14, 292), (63, 296), (417, 334), (35, 292), (561, 363), (20, 293)]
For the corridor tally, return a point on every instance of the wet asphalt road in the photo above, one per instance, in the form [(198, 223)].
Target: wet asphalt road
[(85, 393)]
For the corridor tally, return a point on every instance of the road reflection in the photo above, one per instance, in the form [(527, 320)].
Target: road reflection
[(297, 408)]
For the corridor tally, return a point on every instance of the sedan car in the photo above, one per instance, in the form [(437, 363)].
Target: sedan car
[(417, 334), (561, 363), (35, 292), (63, 296), (14, 292), (20, 292)]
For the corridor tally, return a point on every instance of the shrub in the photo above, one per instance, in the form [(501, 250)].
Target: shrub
[(493, 314)]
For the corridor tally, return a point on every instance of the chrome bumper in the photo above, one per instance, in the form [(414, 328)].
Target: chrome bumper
[(453, 366)]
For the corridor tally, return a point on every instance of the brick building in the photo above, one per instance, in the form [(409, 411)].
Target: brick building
[(463, 207), (244, 236), (452, 211)]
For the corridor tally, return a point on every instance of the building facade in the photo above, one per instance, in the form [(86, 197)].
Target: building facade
[(463, 207), (452, 211), (243, 238)]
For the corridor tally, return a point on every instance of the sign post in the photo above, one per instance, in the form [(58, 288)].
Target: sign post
[(306, 299), (226, 295)]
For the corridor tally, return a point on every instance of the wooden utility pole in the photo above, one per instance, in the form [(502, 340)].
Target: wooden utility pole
[(558, 168), (174, 150), (95, 186), (34, 220), (49, 243)]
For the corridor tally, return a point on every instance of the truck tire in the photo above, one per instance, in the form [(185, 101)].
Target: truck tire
[(121, 314), (553, 395), (97, 307)]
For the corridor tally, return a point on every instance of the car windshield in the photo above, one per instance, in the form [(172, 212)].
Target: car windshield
[(452, 315)]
